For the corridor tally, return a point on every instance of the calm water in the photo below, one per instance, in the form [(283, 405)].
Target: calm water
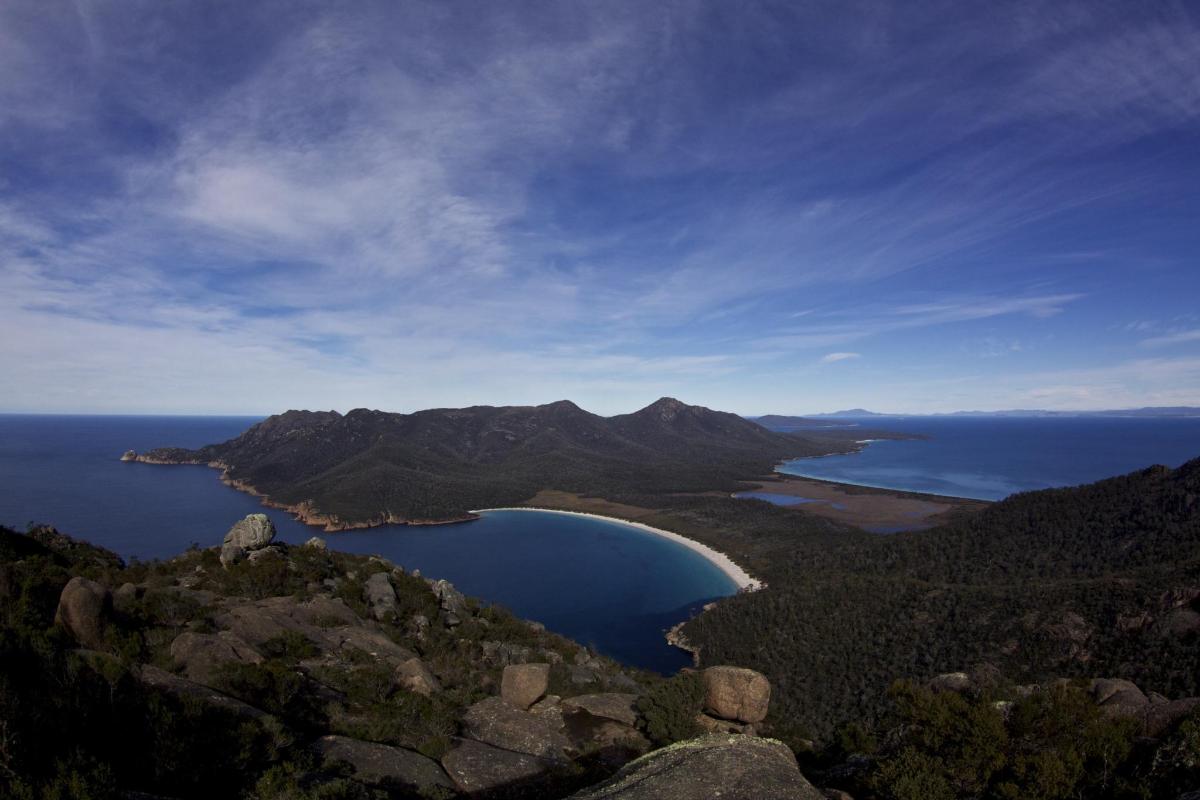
[(990, 459), (602, 584), (785, 499)]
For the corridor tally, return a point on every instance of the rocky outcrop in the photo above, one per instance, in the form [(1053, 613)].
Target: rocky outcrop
[(453, 603), (728, 767), (495, 722), (254, 532), (476, 767), (200, 655), (316, 543), (129, 455), (383, 765), (616, 706), (736, 693), (381, 597), (84, 609), (522, 685)]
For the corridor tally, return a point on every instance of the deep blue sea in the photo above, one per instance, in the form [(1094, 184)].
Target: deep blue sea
[(602, 584), (991, 458)]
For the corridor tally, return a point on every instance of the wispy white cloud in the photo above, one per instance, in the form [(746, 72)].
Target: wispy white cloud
[(832, 358), (1178, 337)]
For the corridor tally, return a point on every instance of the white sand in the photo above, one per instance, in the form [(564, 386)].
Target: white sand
[(744, 582)]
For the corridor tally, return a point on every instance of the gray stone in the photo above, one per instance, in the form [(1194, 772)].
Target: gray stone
[(414, 676), (316, 543), (610, 705), (501, 654), (1104, 688), (381, 597), (736, 693), (84, 609), (1162, 717), (728, 767), (951, 682), (232, 554), (126, 595), (581, 675), (495, 722), (381, 764), (252, 533), (157, 678), (451, 600), (522, 685), (255, 556), (200, 655), (476, 767)]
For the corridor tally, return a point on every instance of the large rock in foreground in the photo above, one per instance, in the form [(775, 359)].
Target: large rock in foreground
[(254, 532), (493, 721), (728, 767), (736, 693), (84, 608), (522, 685), (477, 767)]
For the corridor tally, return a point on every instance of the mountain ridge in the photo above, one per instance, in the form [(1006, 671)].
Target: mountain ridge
[(369, 467)]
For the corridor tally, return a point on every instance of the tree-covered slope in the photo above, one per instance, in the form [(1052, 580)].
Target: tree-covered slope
[(369, 466), (1101, 579)]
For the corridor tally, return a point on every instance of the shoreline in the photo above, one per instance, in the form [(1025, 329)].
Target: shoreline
[(744, 581)]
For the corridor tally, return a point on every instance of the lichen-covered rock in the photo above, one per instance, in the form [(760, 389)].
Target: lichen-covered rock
[(380, 764), (450, 599), (522, 685), (728, 767), (414, 676), (254, 532), (476, 767), (84, 609), (493, 721), (381, 597), (736, 693)]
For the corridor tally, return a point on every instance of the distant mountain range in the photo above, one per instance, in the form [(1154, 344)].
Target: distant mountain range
[(374, 467), (860, 413)]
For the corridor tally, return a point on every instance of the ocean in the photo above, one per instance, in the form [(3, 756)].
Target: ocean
[(603, 584), (989, 458)]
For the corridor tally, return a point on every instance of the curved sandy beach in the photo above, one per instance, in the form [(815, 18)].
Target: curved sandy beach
[(744, 581)]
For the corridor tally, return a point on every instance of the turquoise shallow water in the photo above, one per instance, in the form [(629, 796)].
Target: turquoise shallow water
[(991, 458), (604, 584)]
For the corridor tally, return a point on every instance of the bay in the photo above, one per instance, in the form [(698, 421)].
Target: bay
[(989, 458), (604, 584)]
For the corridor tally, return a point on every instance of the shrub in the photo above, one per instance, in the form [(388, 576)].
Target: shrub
[(669, 708)]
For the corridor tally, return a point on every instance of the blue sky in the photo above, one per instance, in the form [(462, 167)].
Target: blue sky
[(228, 207)]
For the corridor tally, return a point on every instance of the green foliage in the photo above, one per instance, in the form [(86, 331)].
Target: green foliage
[(1052, 745), (669, 708), (289, 647)]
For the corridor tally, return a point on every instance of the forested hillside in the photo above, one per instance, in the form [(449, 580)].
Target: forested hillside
[(1096, 580), (368, 467)]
